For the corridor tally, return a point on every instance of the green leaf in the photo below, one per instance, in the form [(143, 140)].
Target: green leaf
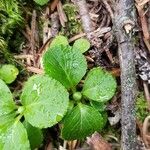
[(100, 106), (59, 40), (105, 118), (41, 2), (8, 118), (45, 101), (81, 44), (8, 73), (13, 136), (6, 100), (81, 122), (99, 85), (70, 107), (35, 135), (65, 64)]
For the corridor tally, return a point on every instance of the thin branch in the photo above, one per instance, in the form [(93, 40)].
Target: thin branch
[(143, 21), (33, 32), (147, 94), (54, 25), (98, 32), (123, 26), (53, 5), (85, 17), (87, 23), (109, 9), (146, 125), (61, 13), (23, 56), (35, 70)]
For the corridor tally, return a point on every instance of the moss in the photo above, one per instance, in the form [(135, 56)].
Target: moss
[(10, 19), (141, 107), (73, 26), (10, 16)]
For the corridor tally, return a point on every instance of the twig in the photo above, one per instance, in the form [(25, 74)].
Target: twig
[(103, 22), (23, 56), (89, 30), (109, 55), (33, 32), (49, 32), (107, 48), (89, 59), (147, 94), (85, 17), (128, 74), (41, 50), (109, 9), (26, 35), (98, 32), (53, 5), (149, 16), (142, 2), (143, 21), (146, 125), (98, 143), (46, 22), (65, 144), (54, 25), (35, 70), (147, 43), (140, 126), (61, 13), (72, 144), (76, 37)]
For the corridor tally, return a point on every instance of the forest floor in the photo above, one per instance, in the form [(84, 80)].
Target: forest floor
[(27, 31)]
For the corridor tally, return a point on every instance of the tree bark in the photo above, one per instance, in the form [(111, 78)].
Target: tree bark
[(123, 25)]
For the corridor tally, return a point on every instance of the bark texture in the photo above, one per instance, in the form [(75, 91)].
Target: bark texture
[(123, 26)]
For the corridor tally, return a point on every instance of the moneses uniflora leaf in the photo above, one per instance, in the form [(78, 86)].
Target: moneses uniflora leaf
[(35, 135), (12, 133), (82, 121), (99, 85), (13, 136), (59, 40), (65, 64), (45, 101), (82, 44), (6, 100), (8, 73)]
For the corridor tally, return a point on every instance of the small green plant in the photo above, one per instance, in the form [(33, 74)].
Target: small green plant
[(8, 73), (67, 65), (81, 44), (45, 100)]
